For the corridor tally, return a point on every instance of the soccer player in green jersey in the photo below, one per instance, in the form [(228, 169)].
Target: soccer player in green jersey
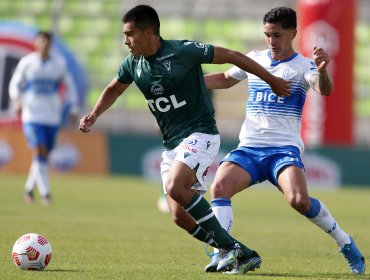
[(169, 75)]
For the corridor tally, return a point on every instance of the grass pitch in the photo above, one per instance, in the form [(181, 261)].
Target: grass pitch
[(110, 228)]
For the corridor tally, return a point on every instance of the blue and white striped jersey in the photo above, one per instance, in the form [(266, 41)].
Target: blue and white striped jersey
[(36, 83), (272, 120)]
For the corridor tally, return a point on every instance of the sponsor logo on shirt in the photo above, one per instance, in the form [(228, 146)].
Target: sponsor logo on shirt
[(191, 141), (202, 46), (191, 149), (266, 96), (198, 45), (157, 89), (164, 104)]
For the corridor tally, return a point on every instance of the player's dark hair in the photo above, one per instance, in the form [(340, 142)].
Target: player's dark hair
[(284, 16), (143, 16), (48, 35)]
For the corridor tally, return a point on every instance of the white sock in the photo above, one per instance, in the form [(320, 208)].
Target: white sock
[(224, 214), (42, 178), (31, 180), (326, 222)]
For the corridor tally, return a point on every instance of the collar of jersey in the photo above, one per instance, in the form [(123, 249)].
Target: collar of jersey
[(159, 51), (42, 60), (277, 62)]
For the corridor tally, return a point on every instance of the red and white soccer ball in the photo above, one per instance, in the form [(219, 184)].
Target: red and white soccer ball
[(32, 251)]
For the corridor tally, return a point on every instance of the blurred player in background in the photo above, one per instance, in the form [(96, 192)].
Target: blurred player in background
[(169, 74), (35, 93), (270, 138)]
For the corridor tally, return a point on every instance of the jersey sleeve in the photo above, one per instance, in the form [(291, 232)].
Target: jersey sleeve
[(17, 81), (123, 75), (194, 52), (71, 95), (238, 74), (311, 69)]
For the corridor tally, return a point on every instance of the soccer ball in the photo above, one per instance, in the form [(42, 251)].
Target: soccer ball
[(31, 251)]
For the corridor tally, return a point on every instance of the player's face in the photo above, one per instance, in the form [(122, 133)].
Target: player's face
[(279, 40), (135, 39), (42, 45)]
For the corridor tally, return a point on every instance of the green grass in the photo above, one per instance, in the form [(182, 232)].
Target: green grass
[(110, 228)]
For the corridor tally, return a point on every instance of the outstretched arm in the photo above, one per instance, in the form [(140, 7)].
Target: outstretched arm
[(105, 101), (321, 82), (219, 80), (278, 85)]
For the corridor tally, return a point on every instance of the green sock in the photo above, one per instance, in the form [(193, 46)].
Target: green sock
[(246, 251), (201, 212), (200, 234)]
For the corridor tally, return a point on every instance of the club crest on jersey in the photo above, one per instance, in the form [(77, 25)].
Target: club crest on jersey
[(167, 64), (286, 71), (157, 89), (138, 72)]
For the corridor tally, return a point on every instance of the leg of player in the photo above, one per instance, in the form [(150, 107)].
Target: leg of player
[(30, 183), (32, 136), (230, 179), (185, 221), (41, 174), (178, 185), (42, 180), (293, 184)]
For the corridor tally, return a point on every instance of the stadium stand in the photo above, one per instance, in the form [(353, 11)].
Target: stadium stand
[(92, 29)]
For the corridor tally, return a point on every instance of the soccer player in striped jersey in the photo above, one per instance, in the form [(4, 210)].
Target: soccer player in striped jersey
[(270, 145), (35, 92), (169, 75)]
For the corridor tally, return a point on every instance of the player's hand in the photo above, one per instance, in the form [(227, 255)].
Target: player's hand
[(321, 58), (281, 87), (86, 122), (17, 106)]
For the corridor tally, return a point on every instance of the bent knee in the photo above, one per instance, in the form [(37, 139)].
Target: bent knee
[(300, 203), (222, 189)]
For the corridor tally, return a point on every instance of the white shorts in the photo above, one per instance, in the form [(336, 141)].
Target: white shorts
[(197, 151)]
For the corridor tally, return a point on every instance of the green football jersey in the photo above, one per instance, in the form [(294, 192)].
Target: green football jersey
[(172, 82)]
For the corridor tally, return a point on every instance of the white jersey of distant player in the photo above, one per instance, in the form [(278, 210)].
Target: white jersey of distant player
[(37, 83), (272, 120)]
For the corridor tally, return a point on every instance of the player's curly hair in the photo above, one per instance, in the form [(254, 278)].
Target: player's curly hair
[(282, 15), (143, 16)]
